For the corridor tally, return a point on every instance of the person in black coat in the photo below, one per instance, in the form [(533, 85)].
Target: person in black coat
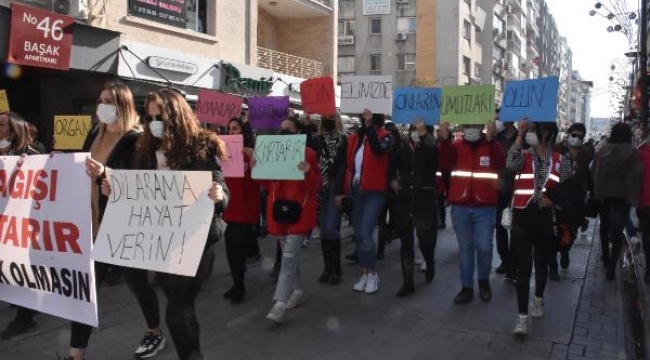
[(413, 179)]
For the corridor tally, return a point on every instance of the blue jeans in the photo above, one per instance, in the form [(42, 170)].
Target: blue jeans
[(474, 228), (289, 278), (366, 206), (329, 218)]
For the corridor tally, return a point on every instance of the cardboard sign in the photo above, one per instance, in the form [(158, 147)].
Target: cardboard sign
[(46, 237), (4, 102), (410, 103), (40, 38), (234, 166), (317, 96), (467, 104), (156, 220), (534, 99), (217, 108), (70, 131), (267, 112), (366, 92), (277, 157)]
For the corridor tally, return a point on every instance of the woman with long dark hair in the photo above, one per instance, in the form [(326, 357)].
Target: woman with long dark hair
[(242, 214)]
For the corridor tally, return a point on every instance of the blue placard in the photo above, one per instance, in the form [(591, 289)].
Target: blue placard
[(535, 99), (410, 103)]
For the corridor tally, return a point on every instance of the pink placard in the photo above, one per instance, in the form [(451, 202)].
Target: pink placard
[(217, 108), (234, 166)]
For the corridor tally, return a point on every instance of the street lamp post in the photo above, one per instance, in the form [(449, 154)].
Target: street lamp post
[(643, 62)]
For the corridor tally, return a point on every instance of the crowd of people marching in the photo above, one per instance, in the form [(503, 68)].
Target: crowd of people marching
[(526, 183)]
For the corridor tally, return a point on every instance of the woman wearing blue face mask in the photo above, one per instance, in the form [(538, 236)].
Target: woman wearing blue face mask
[(533, 224)]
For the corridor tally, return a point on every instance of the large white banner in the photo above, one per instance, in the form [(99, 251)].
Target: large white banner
[(46, 237), (374, 93), (156, 220), (376, 7)]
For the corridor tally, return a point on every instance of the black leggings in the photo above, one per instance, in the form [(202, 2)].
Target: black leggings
[(238, 239), (532, 233), (181, 293), (502, 239), (613, 215), (643, 213), (138, 282)]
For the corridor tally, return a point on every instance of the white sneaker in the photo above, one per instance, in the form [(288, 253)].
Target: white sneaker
[(523, 325), (538, 308), (277, 312), (295, 299), (423, 267), (361, 284), (372, 284)]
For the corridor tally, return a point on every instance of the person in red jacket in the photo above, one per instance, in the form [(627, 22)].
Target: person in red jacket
[(288, 291), (366, 183), (475, 162), (242, 214), (643, 210)]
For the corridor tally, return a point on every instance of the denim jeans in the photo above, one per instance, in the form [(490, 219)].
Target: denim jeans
[(289, 278), (329, 218), (474, 228), (366, 206)]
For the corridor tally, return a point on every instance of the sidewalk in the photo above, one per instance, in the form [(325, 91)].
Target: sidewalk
[(584, 316)]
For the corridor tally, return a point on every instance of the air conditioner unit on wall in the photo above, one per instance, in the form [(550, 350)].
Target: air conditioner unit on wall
[(401, 36), (77, 9)]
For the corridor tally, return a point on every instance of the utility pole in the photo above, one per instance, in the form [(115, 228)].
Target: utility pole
[(643, 63)]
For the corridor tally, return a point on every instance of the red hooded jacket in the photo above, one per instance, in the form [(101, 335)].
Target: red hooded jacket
[(244, 206)]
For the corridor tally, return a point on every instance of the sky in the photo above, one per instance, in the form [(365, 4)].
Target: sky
[(594, 48)]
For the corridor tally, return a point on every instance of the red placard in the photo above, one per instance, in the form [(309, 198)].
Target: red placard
[(218, 108), (40, 38), (317, 96)]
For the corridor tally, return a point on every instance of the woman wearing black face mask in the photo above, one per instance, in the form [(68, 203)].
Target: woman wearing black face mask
[(331, 145)]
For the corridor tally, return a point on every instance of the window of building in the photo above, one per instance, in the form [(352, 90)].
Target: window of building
[(467, 30), (346, 64), (499, 24), (467, 65), (197, 19), (375, 26), (346, 9), (406, 62), (375, 62), (498, 53), (406, 24), (477, 70), (346, 27)]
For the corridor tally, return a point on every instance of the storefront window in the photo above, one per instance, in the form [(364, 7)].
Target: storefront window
[(197, 15)]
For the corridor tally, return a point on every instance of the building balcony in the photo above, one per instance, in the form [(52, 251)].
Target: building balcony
[(290, 64), (345, 40), (297, 9), (534, 5), (515, 5), (531, 48), (532, 29), (513, 20)]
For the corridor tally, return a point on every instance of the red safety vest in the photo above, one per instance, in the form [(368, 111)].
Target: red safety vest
[(474, 178), (525, 180)]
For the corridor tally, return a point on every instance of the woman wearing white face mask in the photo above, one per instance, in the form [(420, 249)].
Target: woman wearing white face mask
[(118, 121), (539, 168)]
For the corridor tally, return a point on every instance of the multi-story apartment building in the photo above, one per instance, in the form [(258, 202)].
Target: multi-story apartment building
[(240, 47), (493, 42), (547, 42), (516, 39), (566, 96), (460, 50), (381, 37), (532, 32)]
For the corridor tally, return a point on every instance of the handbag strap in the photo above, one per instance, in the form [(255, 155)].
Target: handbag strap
[(273, 194)]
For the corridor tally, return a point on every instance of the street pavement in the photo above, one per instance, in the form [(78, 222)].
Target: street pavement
[(584, 316)]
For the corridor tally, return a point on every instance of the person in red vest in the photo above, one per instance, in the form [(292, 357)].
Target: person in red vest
[(242, 214), (475, 162), (366, 183), (533, 216), (291, 216)]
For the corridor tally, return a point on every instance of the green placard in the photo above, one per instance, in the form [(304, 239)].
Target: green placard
[(277, 157), (467, 104)]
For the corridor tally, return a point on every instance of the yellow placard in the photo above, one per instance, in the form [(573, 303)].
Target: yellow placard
[(4, 103), (70, 131)]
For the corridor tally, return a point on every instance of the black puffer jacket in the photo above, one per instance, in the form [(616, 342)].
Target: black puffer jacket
[(414, 167)]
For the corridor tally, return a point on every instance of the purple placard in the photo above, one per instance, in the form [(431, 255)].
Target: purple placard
[(267, 112)]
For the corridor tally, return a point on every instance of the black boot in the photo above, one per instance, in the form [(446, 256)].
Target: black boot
[(325, 276), (564, 259), (383, 234), (407, 274), (278, 261), (335, 262), (553, 274)]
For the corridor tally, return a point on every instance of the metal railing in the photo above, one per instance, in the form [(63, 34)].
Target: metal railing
[(290, 64), (327, 3)]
